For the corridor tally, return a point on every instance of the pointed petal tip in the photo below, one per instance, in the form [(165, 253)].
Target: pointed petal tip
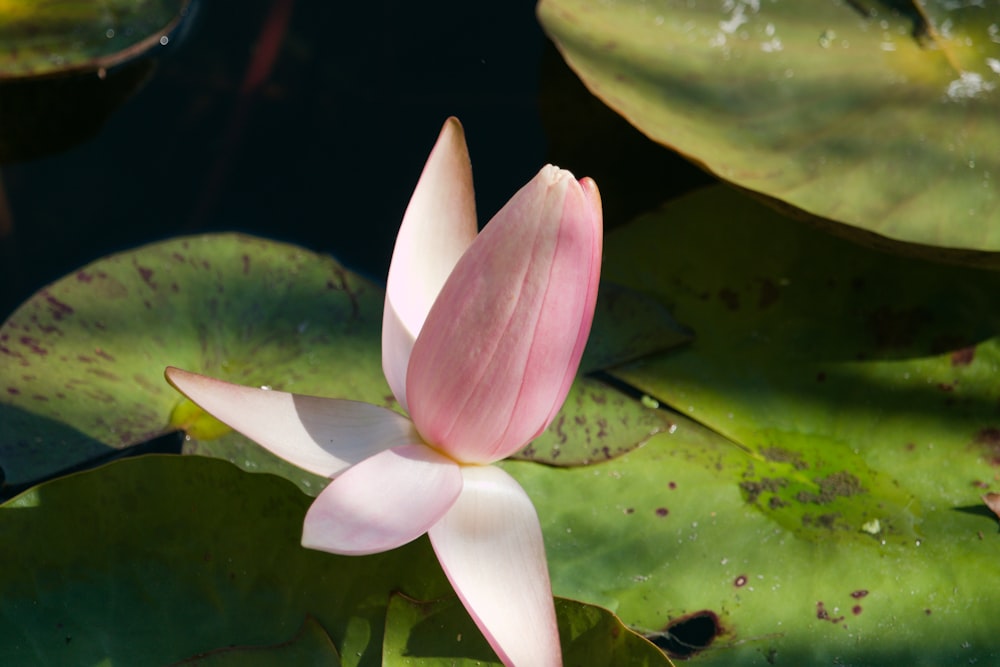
[(322, 435), (438, 226), (451, 126)]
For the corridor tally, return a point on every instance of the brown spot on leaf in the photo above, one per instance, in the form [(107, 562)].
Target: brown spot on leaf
[(147, 275), (662, 511), (782, 455), (838, 485), (58, 309), (34, 345), (856, 609), (827, 521), (964, 356), (989, 439), (860, 593), (730, 298), (753, 489), (768, 294), (740, 581), (823, 615)]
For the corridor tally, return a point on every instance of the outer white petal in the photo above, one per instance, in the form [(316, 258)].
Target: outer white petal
[(383, 502), (438, 226), (490, 546), (321, 435)]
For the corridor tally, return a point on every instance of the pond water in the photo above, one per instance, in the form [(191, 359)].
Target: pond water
[(323, 151)]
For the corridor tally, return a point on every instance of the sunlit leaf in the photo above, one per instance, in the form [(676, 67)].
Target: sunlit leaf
[(875, 114), (832, 509), (83, 360), (665, 538)]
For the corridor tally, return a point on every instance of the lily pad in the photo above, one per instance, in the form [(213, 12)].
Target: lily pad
[(665, 538), (808, 352), (89, 351), (66, 66), (874, 114), (831, 510), (310, 646), (84, 358), (846, 373), (44, 38), (207, 557), (416, 635)]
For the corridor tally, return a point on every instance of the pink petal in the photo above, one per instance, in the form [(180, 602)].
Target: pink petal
[(490, 546), (500, 347), (321, 435), (383, 502), (438, 226)]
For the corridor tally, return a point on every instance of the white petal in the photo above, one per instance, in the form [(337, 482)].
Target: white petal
[(383, 502), (321, 435), (439, 224), (490, 546)]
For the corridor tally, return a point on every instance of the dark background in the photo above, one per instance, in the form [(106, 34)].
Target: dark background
[(320, 145)]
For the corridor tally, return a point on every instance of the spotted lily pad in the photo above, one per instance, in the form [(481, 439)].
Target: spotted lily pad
[(828, 506), (82, 374), (858, 382), (664, 537), (88, 352), (879, 115), (205, 564)]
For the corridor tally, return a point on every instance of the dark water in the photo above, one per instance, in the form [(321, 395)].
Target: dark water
[(326, 149)]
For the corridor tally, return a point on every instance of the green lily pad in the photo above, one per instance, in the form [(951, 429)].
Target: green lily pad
[(846, 373), (88, 352), (44, 38), (157, 559), (877, 115), (441, 634), (831, 510), (310, 646), (665, 538), (83, 359)]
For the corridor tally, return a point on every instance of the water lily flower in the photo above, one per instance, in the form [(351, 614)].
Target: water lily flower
[(482, 336)]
